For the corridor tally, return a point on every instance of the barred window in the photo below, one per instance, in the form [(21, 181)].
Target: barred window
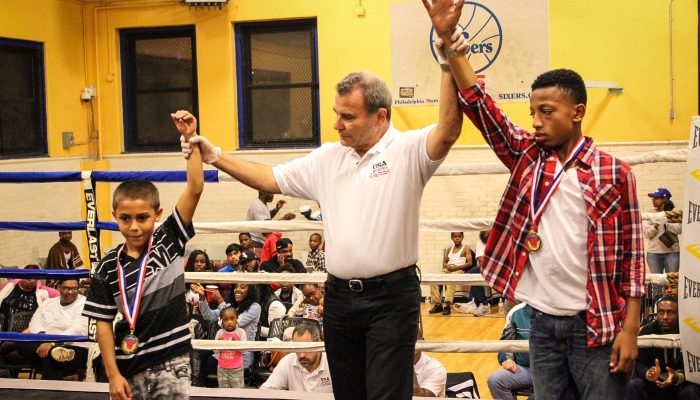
[(277, 84), (159, 77), (22, 101)]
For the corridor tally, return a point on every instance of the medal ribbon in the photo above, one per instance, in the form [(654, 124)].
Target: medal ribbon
[(537, 208), (131, 312)]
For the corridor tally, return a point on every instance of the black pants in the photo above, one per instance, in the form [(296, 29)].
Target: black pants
[(370, 339), (478, 291), (50, 368)]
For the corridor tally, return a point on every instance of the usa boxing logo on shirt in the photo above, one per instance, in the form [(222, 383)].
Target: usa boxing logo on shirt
[(379, 169)]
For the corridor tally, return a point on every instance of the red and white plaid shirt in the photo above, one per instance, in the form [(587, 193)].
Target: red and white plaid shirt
[(615, 247)]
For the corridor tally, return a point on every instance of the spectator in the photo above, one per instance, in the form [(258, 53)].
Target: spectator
[(198, 261), (197, 331), (430, 376), (271, 308), (233, 256), (64, 254), (58, 316), (479, 305), (659, 372), (258, 211), (662, 256), (288, 293), (244, 298), (672, 287), (515, 374), (312, 304), (249, 262), (22, 295), (244, 239), (455, 260), (302, 371), (316, 258), (284, 248), (269, 248), (229, 373)]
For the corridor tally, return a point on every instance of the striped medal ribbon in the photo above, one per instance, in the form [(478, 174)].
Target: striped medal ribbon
[(130, 342)]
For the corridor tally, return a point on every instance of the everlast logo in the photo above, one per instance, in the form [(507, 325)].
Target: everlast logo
[(91, 217), (693, 362), (692, 324), (694, 249), (696, 136), (691, 288), (693, 212)]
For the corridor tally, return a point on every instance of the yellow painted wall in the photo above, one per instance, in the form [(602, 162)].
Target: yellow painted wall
[(57, 24), (623, 41)]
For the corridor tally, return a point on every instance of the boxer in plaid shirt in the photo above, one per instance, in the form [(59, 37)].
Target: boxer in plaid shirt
[(567, 237)]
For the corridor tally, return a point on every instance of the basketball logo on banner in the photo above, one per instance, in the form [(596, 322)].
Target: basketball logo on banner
[(483, 32)]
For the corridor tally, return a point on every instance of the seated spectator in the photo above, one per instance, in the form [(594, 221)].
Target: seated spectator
[(288, 293), (198, 261), (64, 254), (302, 372), (479, 305), (233, 255), (22, 295), (246, 242), (59, 316), (269, 249), (659, 373), (430, 376), (197, 331), (271, 308), (672, 287), (249, 262), (316, 258), (284, 249), (455, 260), (312, 304), (515, 374)]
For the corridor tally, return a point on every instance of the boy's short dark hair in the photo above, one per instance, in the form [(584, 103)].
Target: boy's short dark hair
[(316, 234), (244, 234), (566, 80), (233, 247), (136, 189), (667, 297), (287, 267)]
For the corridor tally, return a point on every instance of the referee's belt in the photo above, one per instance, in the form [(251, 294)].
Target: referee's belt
[(374, 283)]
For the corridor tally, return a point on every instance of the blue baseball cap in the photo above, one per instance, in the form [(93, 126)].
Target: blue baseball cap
[(662, 193)]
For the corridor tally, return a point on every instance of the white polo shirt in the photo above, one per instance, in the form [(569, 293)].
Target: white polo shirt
[(431, 375), (290, 375), (371, 204)]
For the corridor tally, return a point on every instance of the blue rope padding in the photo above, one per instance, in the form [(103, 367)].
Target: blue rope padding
[(54, 226), (16, 273), (210, 175), (41, 337)]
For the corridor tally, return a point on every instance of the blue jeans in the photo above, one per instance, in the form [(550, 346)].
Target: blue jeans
[(564, 367), (370, 337), (503, 382), (658, 262)]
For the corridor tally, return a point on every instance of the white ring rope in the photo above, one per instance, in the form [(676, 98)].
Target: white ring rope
[(471, 346), (320, 277)]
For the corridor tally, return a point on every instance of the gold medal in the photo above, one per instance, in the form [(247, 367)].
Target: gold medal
[(130, 343), (533, 241)]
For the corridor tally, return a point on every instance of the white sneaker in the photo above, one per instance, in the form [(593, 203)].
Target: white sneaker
[(465, 308), (62, 354), (482, 310)]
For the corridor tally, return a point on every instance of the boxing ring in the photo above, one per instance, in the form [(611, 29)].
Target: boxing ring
[(15, 388)]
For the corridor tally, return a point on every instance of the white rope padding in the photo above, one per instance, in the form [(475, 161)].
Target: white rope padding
[(320, 277), (471, 346)]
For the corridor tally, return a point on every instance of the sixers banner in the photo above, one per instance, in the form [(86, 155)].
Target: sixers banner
[(689, 278), (509, 45)]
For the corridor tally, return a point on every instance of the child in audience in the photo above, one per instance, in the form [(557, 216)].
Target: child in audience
[(246, 242), (230, 370), (233, 255), (198, 261), (316, 259), (456, 259)]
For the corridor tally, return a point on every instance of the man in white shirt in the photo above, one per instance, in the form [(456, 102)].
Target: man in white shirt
[(372, 178), (258, 211), (302, 372), (430, 375), (58, 316)]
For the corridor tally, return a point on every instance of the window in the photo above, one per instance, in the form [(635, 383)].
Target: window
[(277, 84), (22, 104), (159, 76)]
